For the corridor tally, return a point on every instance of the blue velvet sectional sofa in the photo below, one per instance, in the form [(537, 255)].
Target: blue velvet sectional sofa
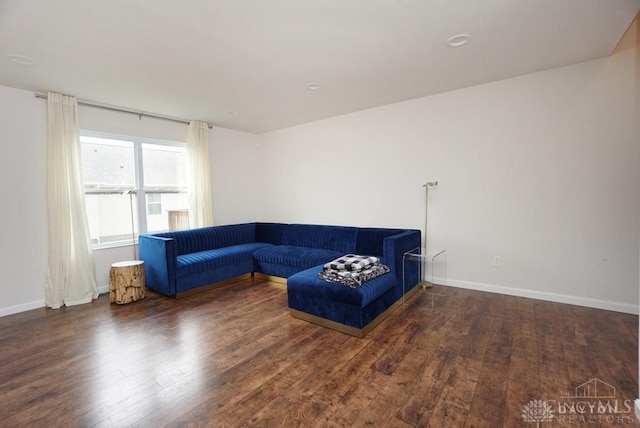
[(183, 262)]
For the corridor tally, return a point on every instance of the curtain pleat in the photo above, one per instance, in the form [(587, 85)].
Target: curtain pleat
[(70, 273), (200, 195)]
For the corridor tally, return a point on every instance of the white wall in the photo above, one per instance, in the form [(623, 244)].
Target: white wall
[(23, 188), (235, 158), (23, 216), (542, 170)]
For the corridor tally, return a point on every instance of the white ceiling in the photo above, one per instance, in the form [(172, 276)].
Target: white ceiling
[(201, 59)]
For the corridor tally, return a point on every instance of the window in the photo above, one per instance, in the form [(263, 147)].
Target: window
[(154, 204), (133, 184)]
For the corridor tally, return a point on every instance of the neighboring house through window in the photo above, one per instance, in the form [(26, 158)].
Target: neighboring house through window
[(133, 180), (154, 204)]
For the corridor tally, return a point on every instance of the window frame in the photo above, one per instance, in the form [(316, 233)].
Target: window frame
[(140, 202)]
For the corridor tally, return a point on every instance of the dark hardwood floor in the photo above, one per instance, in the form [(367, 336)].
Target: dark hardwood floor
[(235, 357)]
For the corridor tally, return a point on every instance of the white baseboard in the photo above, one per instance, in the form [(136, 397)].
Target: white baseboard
[(542, 295), (21, 308), (37, 304), (637, 408)]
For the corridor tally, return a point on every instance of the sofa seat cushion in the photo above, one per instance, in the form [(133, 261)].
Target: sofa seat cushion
[(187, 264), (307, 283), (296, 257)]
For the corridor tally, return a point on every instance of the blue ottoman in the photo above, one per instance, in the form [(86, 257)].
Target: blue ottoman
[(354, 311)]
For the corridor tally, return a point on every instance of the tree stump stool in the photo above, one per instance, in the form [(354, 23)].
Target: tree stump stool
[(126, 282)]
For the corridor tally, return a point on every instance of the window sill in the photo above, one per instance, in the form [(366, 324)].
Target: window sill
[(108, 245)]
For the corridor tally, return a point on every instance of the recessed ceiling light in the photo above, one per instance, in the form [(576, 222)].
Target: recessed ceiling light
[(458, 40), (233, 113), (313, 86), (21, 59)]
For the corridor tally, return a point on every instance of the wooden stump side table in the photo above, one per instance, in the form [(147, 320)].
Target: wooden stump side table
[(126, 282)]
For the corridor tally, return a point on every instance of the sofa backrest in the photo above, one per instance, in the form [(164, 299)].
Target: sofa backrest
[(270, 233), (207, 238), (336, 238), (371, 240)]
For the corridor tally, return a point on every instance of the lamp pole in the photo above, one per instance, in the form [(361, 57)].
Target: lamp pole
[(133, 230), (433, 184)]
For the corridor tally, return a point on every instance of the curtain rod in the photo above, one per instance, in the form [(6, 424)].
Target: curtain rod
[(124, 110)]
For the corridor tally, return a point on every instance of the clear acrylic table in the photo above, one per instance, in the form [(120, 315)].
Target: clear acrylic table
[(432, 269)]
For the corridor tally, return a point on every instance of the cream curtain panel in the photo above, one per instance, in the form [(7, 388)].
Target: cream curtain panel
[(70, 274), (200, 196)]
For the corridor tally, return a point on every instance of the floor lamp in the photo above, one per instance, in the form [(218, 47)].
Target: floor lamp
[(429, 184), (133, 229)]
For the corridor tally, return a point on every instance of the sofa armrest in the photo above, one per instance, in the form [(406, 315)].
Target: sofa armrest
[(159, 255), (394, 248)]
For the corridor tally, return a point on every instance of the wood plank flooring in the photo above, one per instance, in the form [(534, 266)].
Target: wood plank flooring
[(234, 357)]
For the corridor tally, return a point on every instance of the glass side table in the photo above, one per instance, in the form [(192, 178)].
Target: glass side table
[(432, 268)]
